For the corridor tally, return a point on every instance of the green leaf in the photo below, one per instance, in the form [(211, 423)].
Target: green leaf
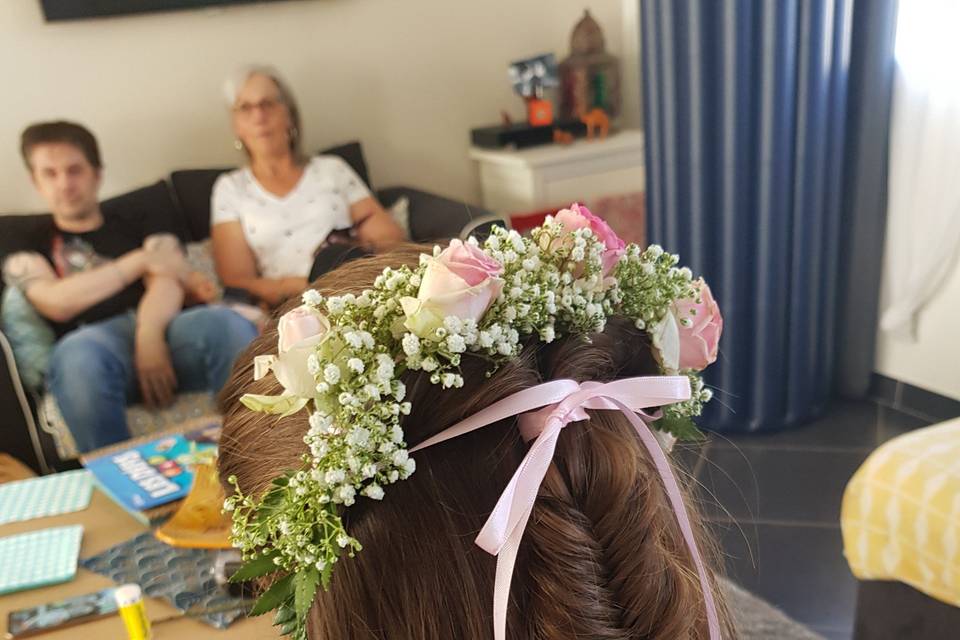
[(681, 427), (259, 566), (325, 576), (305, 588), (273, 597), (285, 614), (274, 497)]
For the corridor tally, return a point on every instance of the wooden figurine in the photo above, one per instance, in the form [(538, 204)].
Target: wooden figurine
[(596, 119), (562, 137)]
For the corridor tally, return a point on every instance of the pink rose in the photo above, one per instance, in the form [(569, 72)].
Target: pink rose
[(301, 330), (299, 324), (699, 340), (579, 217), (462, 281)]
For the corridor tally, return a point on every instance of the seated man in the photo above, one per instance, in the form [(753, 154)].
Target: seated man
[(112, 289)]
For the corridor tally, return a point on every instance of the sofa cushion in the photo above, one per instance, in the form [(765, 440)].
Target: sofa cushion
[(30, 337), (900, 517), (154, 202), (191, 188)]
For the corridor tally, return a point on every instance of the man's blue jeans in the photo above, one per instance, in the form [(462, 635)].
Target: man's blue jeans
[(93, 377)]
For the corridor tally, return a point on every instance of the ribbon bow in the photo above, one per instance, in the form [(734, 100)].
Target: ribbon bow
[(559, 403)]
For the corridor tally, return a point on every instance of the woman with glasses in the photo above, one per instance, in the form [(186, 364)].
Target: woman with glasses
[(277, 220)]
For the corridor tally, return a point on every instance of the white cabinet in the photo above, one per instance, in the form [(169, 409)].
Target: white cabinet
[(514, 181)]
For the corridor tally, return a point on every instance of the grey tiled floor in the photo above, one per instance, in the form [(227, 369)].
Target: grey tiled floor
[(773, 503)]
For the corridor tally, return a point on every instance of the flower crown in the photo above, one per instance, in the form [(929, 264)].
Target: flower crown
[(342, 358)]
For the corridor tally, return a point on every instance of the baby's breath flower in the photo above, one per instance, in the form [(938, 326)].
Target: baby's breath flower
[(312, 297), (335, 306), (358, 437), (335, 476), (456, 343), (313, 364), (346, 494), (355, 364), (411, 344), (373, 491), (453, 324), (331, 373)]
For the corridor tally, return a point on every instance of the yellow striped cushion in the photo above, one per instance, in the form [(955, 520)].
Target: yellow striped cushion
[(901, 513)]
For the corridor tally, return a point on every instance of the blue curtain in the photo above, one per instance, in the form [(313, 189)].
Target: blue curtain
[(754, 165)]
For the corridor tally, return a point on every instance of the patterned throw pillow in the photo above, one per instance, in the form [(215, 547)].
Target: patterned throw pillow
[(31, 338)]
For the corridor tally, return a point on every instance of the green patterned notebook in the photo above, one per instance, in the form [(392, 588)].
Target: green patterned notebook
[(39, 558)]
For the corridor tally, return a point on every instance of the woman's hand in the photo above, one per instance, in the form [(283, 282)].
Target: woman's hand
[(375, 227), (290, 287)]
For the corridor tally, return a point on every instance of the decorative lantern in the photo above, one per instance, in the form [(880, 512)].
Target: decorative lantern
[(589, 77)]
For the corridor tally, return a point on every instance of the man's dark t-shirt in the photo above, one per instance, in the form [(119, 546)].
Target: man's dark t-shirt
[(71, 253)]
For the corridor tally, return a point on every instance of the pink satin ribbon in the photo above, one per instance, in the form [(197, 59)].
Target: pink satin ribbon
[(561, 402)]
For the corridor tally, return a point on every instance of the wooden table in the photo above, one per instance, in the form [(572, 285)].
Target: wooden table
[(105, 525)]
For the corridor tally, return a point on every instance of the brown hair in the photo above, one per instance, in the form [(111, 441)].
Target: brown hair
[(60, 131), (602, 555)]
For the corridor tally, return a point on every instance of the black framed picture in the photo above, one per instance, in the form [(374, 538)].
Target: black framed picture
[(57, 10)]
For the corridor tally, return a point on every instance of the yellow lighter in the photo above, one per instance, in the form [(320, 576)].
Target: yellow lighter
[(132, 612)]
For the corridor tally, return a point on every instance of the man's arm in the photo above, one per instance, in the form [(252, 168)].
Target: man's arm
[(164, 292), (161, 301), (62, 299)]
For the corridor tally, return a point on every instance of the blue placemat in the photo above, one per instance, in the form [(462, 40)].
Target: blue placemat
[(46, 496), (182, 577), (39, 558)]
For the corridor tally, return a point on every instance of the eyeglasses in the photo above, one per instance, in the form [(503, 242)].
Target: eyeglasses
[(267, 105)]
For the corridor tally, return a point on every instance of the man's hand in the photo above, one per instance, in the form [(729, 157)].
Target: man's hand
[(158, 382), (162, 259)]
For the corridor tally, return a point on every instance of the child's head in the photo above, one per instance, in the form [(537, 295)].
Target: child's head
[(602, 555)]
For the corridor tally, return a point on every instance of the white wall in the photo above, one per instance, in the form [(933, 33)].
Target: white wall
[(632, 113), (410, 79), (933, 361)]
